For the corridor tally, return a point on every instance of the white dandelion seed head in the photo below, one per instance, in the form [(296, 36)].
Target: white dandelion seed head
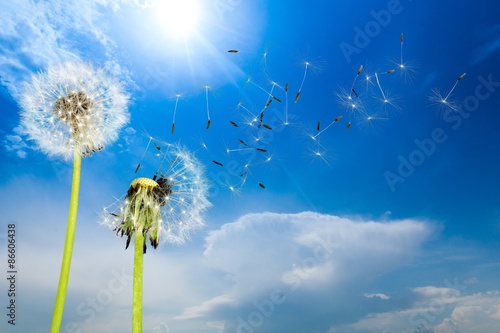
[(177, 204), (73, 105)]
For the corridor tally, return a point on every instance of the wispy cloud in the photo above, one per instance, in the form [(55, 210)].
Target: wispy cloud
[(15, 143), (491, 44), (37, 34)]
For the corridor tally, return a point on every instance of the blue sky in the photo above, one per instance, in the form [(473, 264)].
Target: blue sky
[(391, 225)]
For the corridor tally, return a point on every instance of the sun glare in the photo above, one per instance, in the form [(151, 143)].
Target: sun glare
[(179, 18)]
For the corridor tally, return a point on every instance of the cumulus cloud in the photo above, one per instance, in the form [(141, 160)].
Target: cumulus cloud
[(436, 310), (310, 256)]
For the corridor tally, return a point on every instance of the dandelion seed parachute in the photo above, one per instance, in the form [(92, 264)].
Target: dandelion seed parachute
[(208, 109), (167, 208), (302, 83), (73, 105), (175, 112), (444, 102)]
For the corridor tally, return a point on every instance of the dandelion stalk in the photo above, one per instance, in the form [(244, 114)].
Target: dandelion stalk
[(68, 245), (137, 288)]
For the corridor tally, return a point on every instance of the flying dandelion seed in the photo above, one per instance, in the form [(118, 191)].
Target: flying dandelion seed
[(297, 96), (319, 153), (168, 208), (73, 106), (405, 68), (250, 120), (445, 102), (327, 127), (175, 111), (386, 100), (371, 121), (286, 104), (144, 153), (350, 103), (208, 109), (360, 69), (268, 102)]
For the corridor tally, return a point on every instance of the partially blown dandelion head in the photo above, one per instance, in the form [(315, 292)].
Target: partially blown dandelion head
[(166, 207), (73, 106)]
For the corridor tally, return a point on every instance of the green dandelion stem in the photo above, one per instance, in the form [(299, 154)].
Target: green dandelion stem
[(137, 288), (68, 245)]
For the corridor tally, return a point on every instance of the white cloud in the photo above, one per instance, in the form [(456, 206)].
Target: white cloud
[(305, 254), (433, 292), (436, 310), (381, 296), (35, 35), (15, 143)]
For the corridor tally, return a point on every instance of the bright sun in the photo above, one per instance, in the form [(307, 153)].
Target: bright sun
[(179, 18)]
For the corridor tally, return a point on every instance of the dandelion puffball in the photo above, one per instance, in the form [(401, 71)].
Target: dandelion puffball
[(73, 106)]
